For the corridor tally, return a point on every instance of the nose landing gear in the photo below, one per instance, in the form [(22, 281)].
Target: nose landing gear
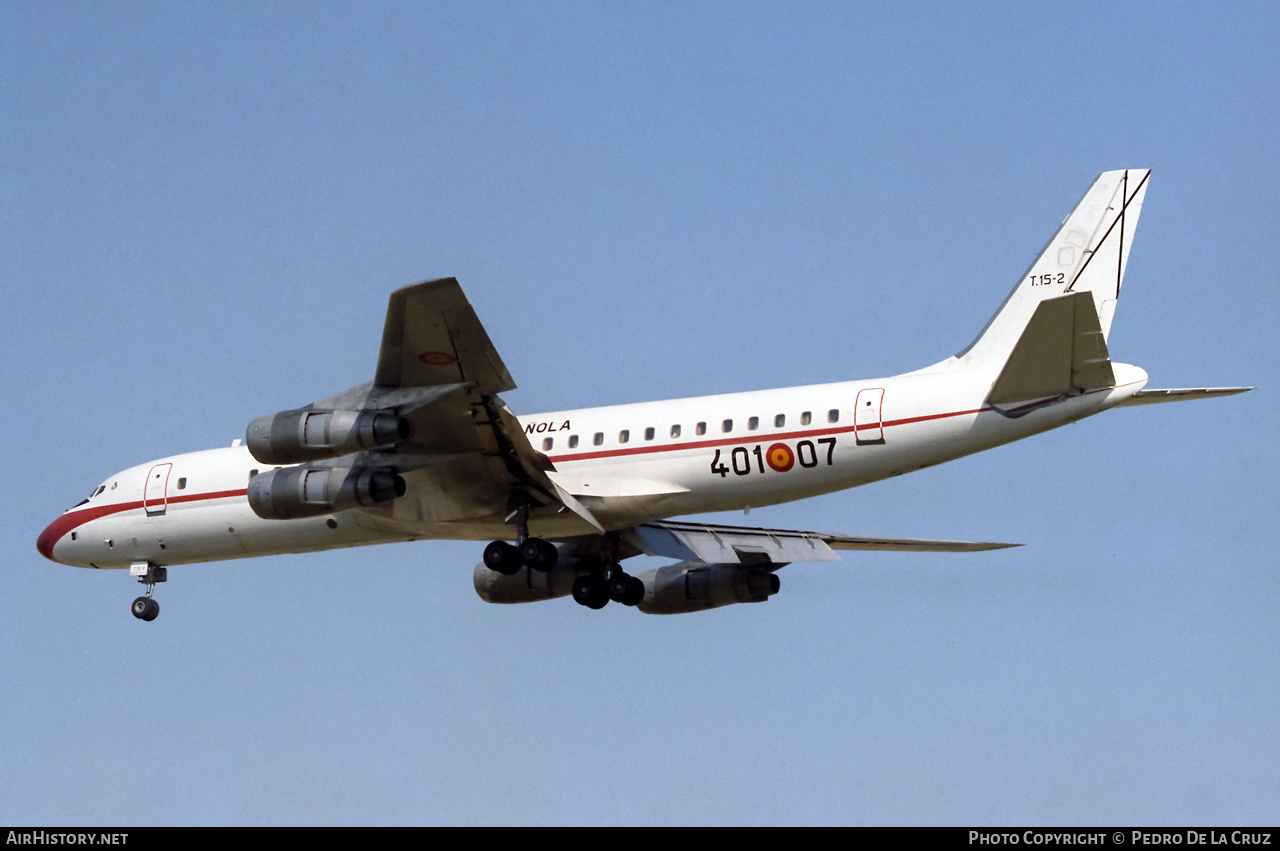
[(145, 608)]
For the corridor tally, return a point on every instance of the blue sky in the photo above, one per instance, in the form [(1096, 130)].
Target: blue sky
[(207, 204)]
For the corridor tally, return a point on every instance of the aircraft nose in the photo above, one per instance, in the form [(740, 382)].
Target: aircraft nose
[(50, 536)]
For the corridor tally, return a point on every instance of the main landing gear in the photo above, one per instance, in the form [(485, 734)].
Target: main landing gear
[(607, 582), (507, 559), (538, 554), (145, 608)]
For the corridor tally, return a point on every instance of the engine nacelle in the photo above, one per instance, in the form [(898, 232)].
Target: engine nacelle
[(292, 492), (292, 437), (693, 587), (526, 585)]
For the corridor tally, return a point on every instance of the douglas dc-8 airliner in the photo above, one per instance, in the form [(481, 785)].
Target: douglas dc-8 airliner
[(428, 450)]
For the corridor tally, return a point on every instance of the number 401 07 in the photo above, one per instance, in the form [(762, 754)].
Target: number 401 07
[(806, 454)]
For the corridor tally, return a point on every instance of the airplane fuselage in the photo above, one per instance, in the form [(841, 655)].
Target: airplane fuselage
[(629, 464)]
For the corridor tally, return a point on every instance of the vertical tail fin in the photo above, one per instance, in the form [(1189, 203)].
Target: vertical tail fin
[(1087, 255)]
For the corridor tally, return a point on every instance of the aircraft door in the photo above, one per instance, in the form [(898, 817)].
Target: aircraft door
[(155, 493), (867, 427)]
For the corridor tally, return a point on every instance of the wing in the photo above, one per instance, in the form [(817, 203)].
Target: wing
[(716, 544), (432, 337), (466, 458)]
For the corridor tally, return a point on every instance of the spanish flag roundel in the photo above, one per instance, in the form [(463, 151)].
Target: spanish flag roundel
[(780, 457)]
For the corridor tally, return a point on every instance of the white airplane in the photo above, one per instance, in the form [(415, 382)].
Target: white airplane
[(428, 450)]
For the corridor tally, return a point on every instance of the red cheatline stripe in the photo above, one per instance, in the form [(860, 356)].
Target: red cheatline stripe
[(791, 435), (753, 438), (76, 518)]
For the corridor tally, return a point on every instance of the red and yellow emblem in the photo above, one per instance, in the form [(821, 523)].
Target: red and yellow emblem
[(780, 457)]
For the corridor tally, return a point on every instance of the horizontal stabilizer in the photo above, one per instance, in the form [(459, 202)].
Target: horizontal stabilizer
[(1062, 349), (1181, 394), (717, 544)]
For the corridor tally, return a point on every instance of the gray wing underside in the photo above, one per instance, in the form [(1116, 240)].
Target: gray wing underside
[(718, 544)]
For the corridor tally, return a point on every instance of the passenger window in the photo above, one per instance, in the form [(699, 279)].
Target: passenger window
[(675, 431), (780, 420), (573, 441), (598, 439), (833, 415), (546, 444), (182, 483), (701, 429), (624, 435), (726, 426), (753, 424), (806, 418), (648, 433)]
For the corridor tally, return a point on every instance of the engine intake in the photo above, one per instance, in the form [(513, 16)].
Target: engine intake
[(292, 492), (694, 587), (293, 437)]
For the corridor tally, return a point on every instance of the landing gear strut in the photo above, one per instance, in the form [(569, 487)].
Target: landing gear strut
[(145, 608)]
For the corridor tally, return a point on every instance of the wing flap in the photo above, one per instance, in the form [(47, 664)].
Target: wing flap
[(712, 544)]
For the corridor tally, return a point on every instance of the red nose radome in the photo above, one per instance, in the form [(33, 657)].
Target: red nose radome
[(51, 535), (59, 528)]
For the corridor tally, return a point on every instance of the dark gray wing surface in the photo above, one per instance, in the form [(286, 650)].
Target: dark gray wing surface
[(432, 337)]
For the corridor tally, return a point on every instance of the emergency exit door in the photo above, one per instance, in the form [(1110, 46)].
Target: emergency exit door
[(867, 426), (155, 493)]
